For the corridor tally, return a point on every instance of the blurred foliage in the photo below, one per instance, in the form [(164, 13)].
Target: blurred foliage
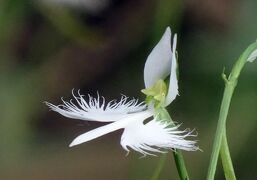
[(47, 49)]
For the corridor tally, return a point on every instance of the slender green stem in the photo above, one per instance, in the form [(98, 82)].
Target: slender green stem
[(159, 167), (181, 167), (226, 159), (230, 85), (178, 157)]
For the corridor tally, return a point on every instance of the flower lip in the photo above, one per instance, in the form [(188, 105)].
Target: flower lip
[(156, 136), (97, 109)]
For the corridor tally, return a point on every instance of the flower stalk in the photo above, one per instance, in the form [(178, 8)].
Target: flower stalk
[(177, 154), (220, 144), (181, 166)]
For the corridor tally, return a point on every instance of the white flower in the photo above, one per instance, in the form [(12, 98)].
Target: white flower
[(153, 136)]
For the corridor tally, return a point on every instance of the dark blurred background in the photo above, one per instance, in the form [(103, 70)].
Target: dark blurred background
[(48, 47)]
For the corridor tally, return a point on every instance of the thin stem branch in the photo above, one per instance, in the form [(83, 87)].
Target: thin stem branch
[(226, 159), (220, 129), (230, 85)]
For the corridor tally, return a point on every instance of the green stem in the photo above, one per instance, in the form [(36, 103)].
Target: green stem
[(178, 157), (160, 166), (226, 159), (230, 85), (181, 167)]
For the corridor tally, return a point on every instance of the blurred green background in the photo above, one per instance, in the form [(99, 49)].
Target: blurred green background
[(48, 47)]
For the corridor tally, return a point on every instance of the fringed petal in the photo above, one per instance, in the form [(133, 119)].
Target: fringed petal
[(96, 109), (156, 137)]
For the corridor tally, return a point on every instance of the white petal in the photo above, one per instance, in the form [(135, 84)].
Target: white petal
[(96, 109), (252, 56), (154, 137), (158, 63), (140, 116), (173, 85)]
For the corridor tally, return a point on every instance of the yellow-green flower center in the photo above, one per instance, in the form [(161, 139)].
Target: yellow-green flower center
[(156, 94)]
